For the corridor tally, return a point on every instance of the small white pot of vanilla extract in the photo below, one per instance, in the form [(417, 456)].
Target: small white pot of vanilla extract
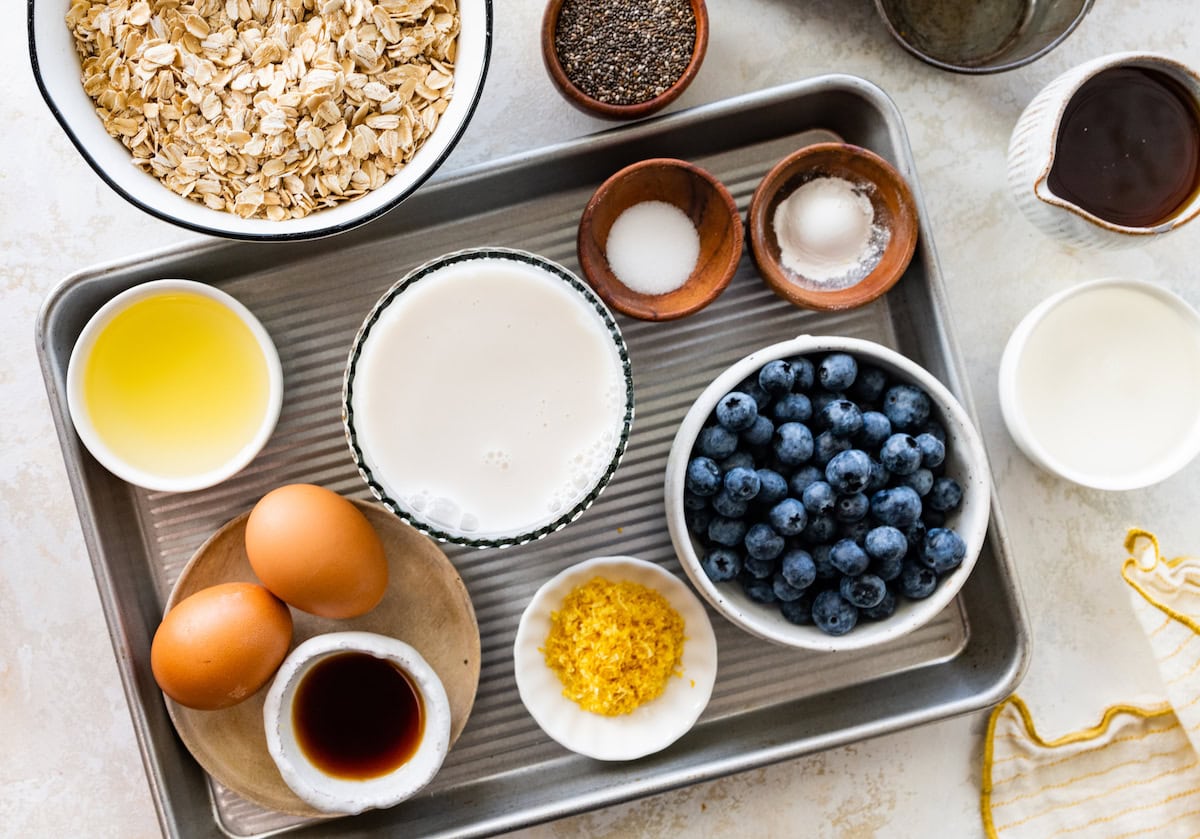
[(356, 721), (1100, 384)]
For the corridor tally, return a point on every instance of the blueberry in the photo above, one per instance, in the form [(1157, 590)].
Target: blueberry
[(818, 498), (915, 534), (935, 429), (727, 532), (754, 390), (822, 399), (692, 501), (883, 610), (703, 476), (943, 550), (745, 460), (946, 495), (849, 558), (832, 614), (916, 581), (762, 542), (737, 411), (728, 506), (819, 529), (900, 454), (803, 477), (822, 561), (784, 590), (886, 543), (721, 564), (760, 591), (887, 569), (759, 569), (760, 433), (842, 417), (880, 477), (921, 481), (869, 384), (932, 518), (876, 428), (852, 508), (792, 407), (777, 377), (716, 442), (793, 443), (742, 484), (798, 568), (798, 611), (772, 487), (907, 406), (855, 531), (863, 591), (827, 445), (933, 450), (806, 374), (698, 520), (848, 472), (897, 506), (788, 517), (837, 371)]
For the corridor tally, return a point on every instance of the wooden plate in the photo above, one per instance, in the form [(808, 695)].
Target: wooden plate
[(426, 605)]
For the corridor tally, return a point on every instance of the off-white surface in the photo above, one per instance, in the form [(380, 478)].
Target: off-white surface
[(69, 764)]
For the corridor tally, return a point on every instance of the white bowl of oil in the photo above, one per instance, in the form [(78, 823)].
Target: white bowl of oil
[(174, 385)]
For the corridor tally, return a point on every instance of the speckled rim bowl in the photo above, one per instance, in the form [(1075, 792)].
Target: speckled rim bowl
[(56, 69), (95, 443), (597, 108), (339, 795), (378, 482), (966, 461), (649, 728), (1185, 449)]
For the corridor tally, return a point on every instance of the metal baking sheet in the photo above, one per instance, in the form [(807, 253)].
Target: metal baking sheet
[(769, 703)]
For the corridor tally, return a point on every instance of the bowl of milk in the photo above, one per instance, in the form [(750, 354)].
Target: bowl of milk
[(488, 397), (1100, 384)]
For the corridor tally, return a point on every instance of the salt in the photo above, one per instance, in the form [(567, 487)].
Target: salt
[(653, 247), (827, 233)]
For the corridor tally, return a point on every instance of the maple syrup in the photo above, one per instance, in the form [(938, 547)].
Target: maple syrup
[(357, 716), (1128, 147)]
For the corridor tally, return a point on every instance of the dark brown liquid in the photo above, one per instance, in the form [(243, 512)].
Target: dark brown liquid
[(1128, 148), (357, 716)]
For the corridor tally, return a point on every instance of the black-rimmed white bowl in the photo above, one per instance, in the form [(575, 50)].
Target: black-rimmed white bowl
[(56, 69), (363, 415)]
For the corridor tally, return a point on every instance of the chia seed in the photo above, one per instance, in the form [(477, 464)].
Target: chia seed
[(625, 52)]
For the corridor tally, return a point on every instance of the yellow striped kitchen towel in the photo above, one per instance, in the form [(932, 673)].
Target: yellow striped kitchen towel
[(1136, 773)]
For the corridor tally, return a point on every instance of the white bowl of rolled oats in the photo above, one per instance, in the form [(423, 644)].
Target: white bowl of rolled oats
[(262, 119)]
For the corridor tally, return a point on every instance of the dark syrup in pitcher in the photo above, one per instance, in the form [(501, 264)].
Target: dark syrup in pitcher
[(1128, 147)]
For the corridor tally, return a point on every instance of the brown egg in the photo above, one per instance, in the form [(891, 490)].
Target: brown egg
[(315, 550), (220, 645)]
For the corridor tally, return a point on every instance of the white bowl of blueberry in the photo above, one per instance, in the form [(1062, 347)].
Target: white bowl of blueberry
[(827, 493)]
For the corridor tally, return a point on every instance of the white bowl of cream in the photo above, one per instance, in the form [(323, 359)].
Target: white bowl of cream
[(488, 397), (1100, 384)]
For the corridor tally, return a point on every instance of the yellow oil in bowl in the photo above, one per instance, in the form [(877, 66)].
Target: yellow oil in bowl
[(175, 387)]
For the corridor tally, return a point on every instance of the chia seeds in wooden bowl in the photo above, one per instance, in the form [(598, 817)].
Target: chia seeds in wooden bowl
[(626, 59)]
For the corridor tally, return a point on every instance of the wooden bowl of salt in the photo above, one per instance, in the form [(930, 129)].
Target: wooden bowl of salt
[(660, 239), (832, 226)]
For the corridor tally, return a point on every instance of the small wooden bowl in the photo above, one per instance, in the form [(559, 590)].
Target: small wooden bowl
[(707, 203), (595, 107), (891, 198)]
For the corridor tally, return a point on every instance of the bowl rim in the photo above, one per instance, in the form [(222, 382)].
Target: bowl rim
[(759, 622), (601, 277), (230, 231), (1014, 418), (94, 442), (760, 228), (700, 655), (978, 70), (596, 107), (431, 267)]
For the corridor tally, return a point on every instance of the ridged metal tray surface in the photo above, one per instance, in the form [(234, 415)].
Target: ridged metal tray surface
[(769, 703)]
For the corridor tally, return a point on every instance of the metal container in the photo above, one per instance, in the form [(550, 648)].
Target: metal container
[(769, 703)]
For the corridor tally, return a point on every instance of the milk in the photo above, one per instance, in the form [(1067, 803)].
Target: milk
[(1109, 381), (489, 397)]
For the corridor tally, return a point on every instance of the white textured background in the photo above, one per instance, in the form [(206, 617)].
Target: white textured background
[(69, 764)]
